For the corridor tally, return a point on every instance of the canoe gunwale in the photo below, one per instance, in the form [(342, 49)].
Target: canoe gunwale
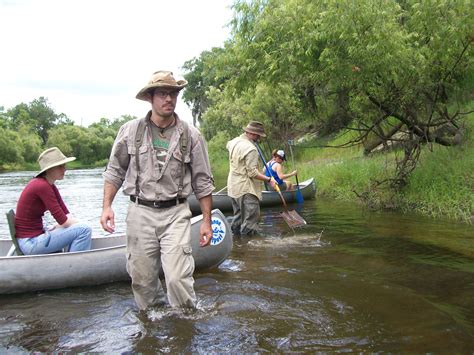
[(223, 202)]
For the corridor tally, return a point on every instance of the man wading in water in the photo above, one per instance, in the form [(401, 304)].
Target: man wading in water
[(244, 181), (160, 161)]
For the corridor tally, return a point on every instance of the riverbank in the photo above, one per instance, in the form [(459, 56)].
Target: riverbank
[(441, 186), (34, 167)]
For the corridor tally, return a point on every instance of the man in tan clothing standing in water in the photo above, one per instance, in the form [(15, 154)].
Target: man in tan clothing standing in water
[(160, 160), (244, 181)]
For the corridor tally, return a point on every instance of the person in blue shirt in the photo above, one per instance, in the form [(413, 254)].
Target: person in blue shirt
[(276, 169)]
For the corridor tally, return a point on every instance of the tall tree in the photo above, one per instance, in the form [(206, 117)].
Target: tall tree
[(201, 77)]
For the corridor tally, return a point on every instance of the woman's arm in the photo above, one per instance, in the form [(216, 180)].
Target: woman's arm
[(50, 196), (69, 222), (279, 171), (293, 173)]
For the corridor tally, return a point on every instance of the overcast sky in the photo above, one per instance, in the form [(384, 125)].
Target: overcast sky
[(89, 58)]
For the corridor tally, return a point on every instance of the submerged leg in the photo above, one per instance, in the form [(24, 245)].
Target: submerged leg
[(250, 214), (237, 219)]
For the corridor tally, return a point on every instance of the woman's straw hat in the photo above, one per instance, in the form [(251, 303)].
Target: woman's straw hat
[(52, 157)]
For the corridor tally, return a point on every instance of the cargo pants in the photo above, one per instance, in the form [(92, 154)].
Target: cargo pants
[(160, 238)]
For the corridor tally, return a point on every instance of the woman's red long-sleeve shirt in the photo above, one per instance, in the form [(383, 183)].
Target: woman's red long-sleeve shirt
[(38, 197)]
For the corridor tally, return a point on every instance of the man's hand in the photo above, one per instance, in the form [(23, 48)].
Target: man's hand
[(205, 233), (107, 220), (272, 182)]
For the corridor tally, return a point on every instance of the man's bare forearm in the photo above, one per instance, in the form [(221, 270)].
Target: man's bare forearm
[(206, 205), (110, 190)]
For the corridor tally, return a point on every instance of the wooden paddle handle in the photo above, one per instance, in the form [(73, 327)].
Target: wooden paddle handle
[(224, 188), (277, 188)]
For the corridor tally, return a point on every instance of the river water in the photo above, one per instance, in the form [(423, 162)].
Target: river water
[(349, 281)]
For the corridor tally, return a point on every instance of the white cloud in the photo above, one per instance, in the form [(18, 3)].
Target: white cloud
[(90, 57)]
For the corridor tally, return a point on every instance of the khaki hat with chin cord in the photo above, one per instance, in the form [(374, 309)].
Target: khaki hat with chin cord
[(52, 157), (160, 79)]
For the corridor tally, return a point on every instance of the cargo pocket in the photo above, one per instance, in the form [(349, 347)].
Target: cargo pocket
[(188, 267)]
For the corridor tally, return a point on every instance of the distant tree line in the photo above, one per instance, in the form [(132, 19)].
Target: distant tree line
[(29, 128)]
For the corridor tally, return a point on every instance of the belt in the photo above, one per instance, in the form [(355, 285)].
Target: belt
[(158, 204)]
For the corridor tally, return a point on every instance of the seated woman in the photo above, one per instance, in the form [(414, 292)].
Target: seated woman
[(41, 195), (276, 170)]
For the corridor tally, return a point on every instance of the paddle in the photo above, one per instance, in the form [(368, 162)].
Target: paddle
[(223, 189), (299, 195), (292, 218)]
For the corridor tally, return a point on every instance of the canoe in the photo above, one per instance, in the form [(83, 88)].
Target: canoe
[(223, 202), (104, 263)]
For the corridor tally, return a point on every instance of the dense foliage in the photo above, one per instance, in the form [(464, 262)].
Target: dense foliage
[(395, 72)]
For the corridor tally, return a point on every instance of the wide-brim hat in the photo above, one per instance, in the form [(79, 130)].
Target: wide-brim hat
[(52, 157), (255, 127), (160, 79)]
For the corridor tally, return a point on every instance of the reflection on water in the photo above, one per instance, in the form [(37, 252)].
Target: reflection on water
[(351, 280)]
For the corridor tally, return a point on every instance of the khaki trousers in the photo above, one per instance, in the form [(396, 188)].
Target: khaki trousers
[(160, 238)]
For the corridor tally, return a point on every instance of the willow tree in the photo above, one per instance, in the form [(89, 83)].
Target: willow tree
[(275, 106), (404, 66), (392, 71), (201, 77)]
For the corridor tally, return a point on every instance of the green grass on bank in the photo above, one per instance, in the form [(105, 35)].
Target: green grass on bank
[(220, 173), (442, 185), (6, 167)]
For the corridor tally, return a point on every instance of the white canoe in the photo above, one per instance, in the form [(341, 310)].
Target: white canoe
[(104, 263), (223, 202)]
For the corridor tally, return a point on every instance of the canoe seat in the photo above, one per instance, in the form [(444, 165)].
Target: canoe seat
[(11, 225)]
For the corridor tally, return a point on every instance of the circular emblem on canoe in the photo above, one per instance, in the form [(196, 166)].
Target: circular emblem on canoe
[(218, 231)]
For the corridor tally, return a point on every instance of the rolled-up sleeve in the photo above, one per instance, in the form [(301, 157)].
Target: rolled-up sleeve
[(119, 158), (201, 176)]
